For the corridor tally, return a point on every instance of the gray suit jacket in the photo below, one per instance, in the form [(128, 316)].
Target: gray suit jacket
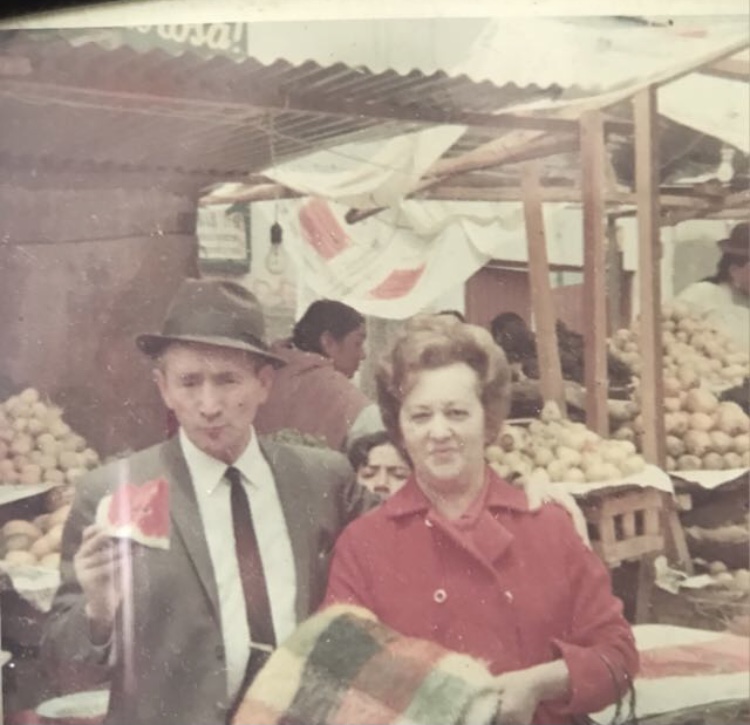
[(166, 661)]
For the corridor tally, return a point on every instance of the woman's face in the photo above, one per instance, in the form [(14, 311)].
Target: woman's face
[(385, 471), (348, 352), (442, 423)]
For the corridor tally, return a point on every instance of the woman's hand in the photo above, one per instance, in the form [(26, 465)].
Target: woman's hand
[(520, 692), (519, 697), (540, 493)]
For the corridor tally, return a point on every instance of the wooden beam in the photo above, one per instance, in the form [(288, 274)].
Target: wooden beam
[(440, 116), (615, 279), (733, 69), (649, 268), (259, 192), (510, 148), (255, 99), (542, 304), (575, 109), (692, 206), (454, 191), (593, 181)]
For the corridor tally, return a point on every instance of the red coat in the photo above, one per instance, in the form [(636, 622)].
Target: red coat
[(520, 589)]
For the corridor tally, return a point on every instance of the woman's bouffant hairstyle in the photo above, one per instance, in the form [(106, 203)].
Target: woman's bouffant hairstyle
[(324, 316), (429, 342)]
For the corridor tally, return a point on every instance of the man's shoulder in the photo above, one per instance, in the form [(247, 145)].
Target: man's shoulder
[(281, 455)]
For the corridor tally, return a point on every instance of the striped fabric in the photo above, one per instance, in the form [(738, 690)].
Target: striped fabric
[(342, 667)]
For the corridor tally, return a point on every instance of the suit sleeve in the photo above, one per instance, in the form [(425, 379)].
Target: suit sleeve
[(599, 648), (353, 500), (66, 642)]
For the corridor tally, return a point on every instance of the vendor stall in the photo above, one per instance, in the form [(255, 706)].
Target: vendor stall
[(444, 152)]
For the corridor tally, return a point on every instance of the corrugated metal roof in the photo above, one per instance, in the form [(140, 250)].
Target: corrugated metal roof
[(579, 54), (217, 116)]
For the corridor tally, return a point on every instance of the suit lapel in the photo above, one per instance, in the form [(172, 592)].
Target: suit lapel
[(291, 484), (187, 521)]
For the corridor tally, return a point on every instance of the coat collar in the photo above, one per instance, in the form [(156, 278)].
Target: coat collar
[(501, 495), (489, 541), (186, 517)]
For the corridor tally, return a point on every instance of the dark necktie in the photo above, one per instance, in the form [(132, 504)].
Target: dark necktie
[(250, 564)]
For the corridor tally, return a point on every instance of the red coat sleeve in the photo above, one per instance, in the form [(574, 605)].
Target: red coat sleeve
[(599, 648)]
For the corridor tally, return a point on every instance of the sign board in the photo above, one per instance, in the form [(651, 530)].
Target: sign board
[(209, 40), (224, 239)]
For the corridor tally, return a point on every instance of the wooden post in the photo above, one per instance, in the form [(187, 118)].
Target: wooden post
[(542, 305), (615, 284), (649, 268), (593, 184)]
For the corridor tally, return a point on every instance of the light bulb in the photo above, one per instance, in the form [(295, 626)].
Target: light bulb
[(725, 172), (275, 261)]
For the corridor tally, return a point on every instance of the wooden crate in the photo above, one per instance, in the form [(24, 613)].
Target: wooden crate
[(625, 526)]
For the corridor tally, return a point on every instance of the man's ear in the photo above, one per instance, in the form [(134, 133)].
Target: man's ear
[(161, 382), (266, 375)]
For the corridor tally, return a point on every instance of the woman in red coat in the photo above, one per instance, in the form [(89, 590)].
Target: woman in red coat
[(456, 556)]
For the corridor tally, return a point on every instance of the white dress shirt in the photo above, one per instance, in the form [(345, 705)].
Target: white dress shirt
[(212, 491)]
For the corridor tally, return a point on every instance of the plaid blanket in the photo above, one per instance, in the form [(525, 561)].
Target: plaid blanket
[(343, 667)]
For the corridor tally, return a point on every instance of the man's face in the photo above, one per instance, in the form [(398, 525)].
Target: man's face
[(215, 393)]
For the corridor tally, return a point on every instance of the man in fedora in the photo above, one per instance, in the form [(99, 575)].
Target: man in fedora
[(180, 631), (724, 298)]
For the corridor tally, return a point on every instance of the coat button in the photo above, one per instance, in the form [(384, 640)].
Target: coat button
[(428, 523), (440, 596), (220, 654), (509, 596)]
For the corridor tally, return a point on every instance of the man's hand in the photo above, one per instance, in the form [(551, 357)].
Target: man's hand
[(98, 565)]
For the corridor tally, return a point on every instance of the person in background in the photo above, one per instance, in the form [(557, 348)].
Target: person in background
[(378, 464), (509, 330), (457, 556), (724, 298), (180, 631), (314, 394)]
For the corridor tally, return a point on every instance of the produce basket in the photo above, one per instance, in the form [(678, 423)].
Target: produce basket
[(730, 544), (624, 524), (717, 609)]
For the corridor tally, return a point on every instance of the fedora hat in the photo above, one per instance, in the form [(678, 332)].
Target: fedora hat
[(212, 312), (738, 241)]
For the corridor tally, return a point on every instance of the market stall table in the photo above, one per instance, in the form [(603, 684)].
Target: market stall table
[(632, 520), (689, 675)]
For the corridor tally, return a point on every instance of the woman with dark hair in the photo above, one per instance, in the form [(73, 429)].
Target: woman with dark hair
[(334, 330), (313, 393), (458, 558), (723, 299), (378, 464)]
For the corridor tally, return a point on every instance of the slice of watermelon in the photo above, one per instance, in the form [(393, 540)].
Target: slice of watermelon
[(139, 512)]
